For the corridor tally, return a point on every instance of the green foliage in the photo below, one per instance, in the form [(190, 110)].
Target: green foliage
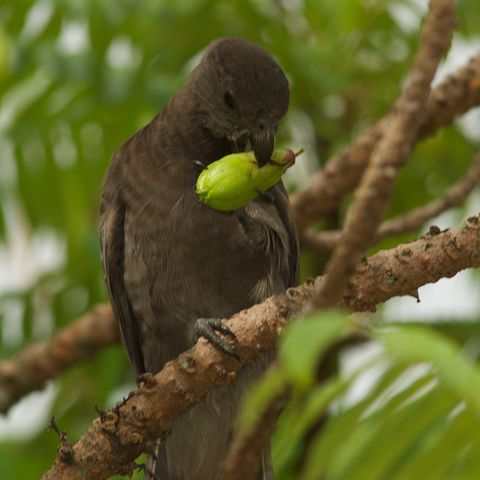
[(301, 357), (420, 419), (78, 77)]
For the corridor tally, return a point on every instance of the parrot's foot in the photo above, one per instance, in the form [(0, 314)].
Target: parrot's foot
[(208, 328)]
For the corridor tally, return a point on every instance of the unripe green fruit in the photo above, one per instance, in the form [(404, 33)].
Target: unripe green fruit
[(235, 180)]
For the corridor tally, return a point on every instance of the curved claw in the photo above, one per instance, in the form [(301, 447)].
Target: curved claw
[(208, 328)]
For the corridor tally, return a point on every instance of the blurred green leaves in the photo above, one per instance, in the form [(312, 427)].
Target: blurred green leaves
[(420, 415), (78, 77), (299, 356)]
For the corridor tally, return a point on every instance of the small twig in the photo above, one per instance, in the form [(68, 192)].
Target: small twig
[(149, 474), (411, 221), (65, 449), (452, 97), (392, 150), (52, 425), (101, 413)]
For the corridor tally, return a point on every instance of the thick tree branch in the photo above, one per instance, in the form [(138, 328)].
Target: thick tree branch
[(406, 267), (454, 96), (83, 338), (33, 366), (112, 442), (400, 133), (409, 222)]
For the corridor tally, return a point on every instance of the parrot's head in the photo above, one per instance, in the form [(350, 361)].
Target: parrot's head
[(242, 93)]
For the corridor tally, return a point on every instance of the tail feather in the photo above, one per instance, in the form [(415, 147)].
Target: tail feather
[(157, 465)]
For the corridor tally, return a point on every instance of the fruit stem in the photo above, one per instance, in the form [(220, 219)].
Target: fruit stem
[(299, 152)]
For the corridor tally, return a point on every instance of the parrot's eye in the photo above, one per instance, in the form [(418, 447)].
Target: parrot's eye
[(228, 97)]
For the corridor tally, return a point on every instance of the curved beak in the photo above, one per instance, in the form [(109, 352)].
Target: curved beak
[(263, 142)]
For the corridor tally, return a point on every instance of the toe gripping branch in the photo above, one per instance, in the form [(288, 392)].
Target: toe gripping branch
[(209, 328)]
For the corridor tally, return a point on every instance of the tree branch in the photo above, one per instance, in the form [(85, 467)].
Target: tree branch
[(112, 442), (29, 369), (454, 96), (409, 222), (400, 133), (393, 270)]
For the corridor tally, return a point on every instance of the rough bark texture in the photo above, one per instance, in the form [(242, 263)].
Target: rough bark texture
[(449, 251), (112, 442), (454, 96), (400, 133)]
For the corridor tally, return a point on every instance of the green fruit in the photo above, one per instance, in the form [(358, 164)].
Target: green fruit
[(235, 180)]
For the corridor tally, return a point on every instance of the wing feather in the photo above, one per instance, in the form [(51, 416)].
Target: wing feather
[(112, 243), (292, 276)]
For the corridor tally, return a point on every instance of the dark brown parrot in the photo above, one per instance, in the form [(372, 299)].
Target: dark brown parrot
[(173, 266)]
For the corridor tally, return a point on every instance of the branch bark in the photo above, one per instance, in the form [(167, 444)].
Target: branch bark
[(411, 221), (454, 96), (377, 279), (390, 153), (31, 368), (112, 442)]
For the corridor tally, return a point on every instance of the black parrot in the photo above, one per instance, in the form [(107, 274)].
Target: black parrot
[(173, 266)]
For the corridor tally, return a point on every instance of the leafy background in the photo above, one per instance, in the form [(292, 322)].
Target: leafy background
[(78, 77)]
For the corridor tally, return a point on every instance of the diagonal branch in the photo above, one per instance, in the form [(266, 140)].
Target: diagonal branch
[(112, 442), (400, 134), (411, 221), (451, 98), (32, 367)]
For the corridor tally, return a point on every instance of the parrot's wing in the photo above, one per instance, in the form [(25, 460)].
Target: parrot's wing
[(286, 214), (112, 243)]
